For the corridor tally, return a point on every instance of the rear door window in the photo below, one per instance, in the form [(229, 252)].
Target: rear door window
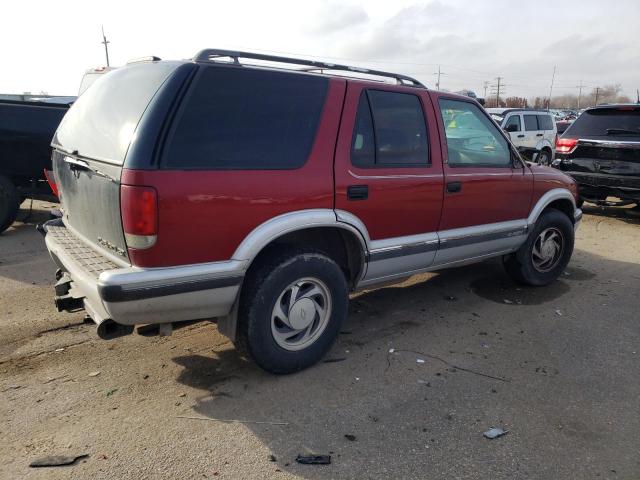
[(623, 122), (531, 123), (545, 122), (240, 118), (390, 130)]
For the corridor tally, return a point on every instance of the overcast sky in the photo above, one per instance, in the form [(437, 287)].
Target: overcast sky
[(46, 46)]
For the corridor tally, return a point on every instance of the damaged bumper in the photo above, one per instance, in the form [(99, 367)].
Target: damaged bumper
[(131, 295)]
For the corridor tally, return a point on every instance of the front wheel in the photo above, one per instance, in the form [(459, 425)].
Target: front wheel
[(546, 253), (544, 157), (291, 308)]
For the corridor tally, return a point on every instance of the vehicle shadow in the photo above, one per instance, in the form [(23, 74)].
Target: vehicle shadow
[(408, 416), (626, 214)]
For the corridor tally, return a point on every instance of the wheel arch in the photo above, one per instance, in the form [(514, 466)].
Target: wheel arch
[(558, 198)]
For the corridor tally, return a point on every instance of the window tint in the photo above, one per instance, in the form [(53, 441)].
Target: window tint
[(531, 123), (390, 130), (472, 139), (513, 124), (545, 122), (102, 122), (237, 118), (623, 120)]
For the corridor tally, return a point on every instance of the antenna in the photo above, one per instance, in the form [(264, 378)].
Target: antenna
[(105, 42)]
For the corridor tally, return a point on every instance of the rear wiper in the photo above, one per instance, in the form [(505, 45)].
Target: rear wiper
[(75, 164), (622, 131)]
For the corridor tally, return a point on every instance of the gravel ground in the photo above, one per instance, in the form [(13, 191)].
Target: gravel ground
[(557, 366)]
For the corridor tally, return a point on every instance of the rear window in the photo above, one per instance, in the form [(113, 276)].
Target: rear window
[(623, 121), (103, 121), (239, 118)]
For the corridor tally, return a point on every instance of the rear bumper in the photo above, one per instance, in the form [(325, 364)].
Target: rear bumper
[(600, 185), (132, 295)]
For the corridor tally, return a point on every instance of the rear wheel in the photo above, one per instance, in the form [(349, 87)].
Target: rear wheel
[(546, 252), (291, 308), (544, 157), (9, 203)]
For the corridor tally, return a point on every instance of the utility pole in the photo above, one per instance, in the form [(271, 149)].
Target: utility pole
[(597, 92), (438, 73), (498, 92), (105, 42), (486, 84), (551, 88), (580, 87)]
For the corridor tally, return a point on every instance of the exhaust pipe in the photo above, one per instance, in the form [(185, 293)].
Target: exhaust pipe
[(108, 330)]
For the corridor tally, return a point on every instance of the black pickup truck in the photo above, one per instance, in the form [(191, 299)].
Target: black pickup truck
[(26, 130)]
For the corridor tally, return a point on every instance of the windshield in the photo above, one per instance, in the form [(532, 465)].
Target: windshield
[(102, 122), (606, 122)]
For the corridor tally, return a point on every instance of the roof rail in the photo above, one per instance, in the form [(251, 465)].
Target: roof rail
[(210, 54), (151, 58)]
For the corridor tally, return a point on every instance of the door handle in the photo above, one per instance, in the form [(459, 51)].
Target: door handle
[(358, 192), (539, 134), (521, 135), (454, 187)]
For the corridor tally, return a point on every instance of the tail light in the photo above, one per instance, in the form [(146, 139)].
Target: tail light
[(48, 174), (566, 145), (139, 209)]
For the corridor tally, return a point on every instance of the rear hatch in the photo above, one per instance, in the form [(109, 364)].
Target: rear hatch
[(603, 141), (90, 147)]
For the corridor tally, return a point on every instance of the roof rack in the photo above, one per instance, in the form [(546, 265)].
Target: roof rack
[(210, 54)]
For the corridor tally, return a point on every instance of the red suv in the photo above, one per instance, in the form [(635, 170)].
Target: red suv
[(262, 195)]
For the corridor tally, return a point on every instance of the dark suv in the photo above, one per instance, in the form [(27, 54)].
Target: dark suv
[(262, 196), (601, 151)]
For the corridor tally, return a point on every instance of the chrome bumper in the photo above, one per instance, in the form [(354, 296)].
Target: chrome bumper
[(133, 295), (577, 218)]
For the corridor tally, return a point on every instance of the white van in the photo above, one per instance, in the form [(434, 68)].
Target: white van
[(529, 128)]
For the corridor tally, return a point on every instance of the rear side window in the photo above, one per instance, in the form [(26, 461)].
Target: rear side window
[(238, 118), (530, 123), (390, 130), (545, 122), (614, 122)]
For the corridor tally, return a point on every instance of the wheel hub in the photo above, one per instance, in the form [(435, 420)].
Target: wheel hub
[(302, 313), (547, 250)]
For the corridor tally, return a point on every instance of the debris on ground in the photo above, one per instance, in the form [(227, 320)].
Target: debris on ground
[(59, 350), (507, 301), (111, 392), (56, 461), (391, 350), (419, 360), (314, 459), (94, 374), (451, 298), (272, 458), (559, 313), (495, 433), (335, 360), (351, 438)]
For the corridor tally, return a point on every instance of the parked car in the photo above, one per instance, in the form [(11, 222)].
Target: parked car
[(26, 130), (262, 196), (601, 151), (529, 128)]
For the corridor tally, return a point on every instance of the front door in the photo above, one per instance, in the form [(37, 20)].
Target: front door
[(487, 195), (388, 176)]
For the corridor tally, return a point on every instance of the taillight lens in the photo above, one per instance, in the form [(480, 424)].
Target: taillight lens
[(48, 174), (566, 145), (139, 208)]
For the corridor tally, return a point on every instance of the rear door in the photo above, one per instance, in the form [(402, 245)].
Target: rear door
[(487, 196), (547, 127), (388, 175), (532, 132)]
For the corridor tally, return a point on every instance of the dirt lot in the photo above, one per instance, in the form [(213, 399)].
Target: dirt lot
[(558, 367)]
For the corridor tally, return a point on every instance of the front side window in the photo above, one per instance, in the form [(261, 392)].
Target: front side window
[(531, 123), (246, 119), (390, 130), (513, 124), (472, 139)]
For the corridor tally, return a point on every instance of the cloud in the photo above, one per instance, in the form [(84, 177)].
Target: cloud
[(332, 17)]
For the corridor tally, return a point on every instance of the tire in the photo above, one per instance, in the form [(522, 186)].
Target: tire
[(529, 267), (580, 202), (283, 335), (544, 157), (9, 203)]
